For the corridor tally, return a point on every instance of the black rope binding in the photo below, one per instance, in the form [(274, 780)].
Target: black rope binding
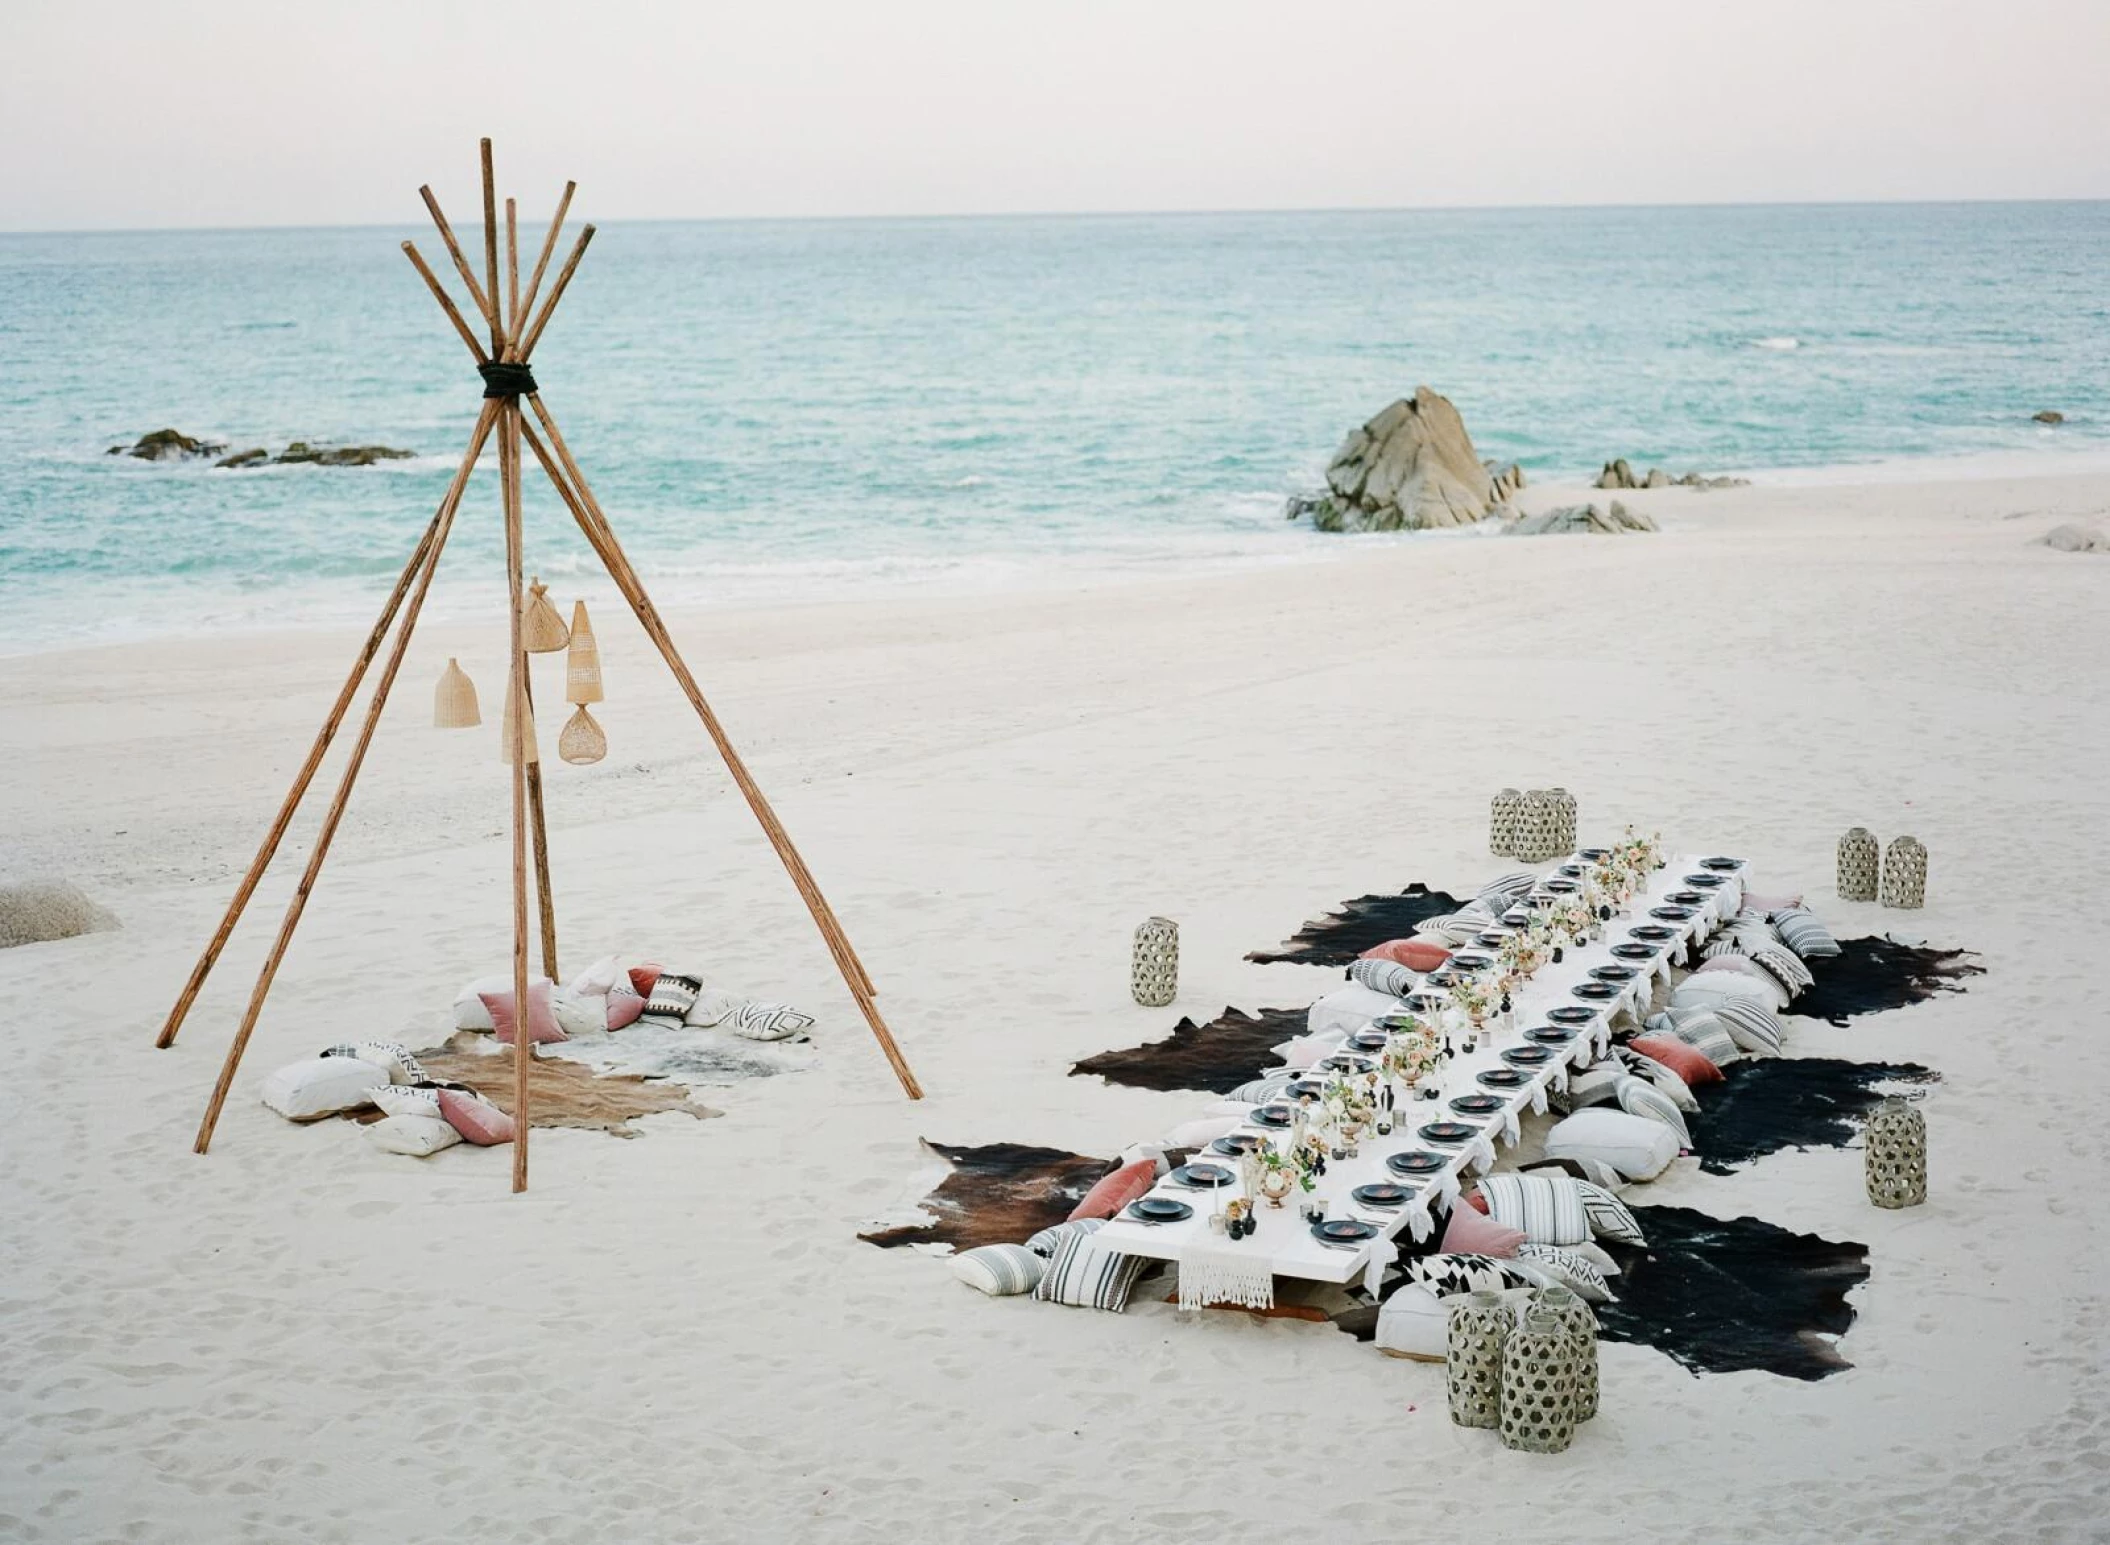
[(503, 380)]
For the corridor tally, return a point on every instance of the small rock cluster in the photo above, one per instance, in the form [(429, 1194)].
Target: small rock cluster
[(174, 445), (1617, 474)]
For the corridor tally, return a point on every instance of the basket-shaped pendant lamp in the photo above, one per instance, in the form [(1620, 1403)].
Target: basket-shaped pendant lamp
[(505, 734), (581, 740), (582, 671), (542, 630), (454, 700)]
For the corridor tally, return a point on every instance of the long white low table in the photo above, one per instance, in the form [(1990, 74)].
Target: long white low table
[(1285, 1241)]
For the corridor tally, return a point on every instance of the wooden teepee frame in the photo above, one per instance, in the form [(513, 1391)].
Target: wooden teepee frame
[(515, 326)]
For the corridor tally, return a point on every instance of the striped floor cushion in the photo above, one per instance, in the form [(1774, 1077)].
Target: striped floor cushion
[(1548, 1209), (1085, 1275), (1610, 1218), (1639, 1097), (1568, 1269), (1800, 930), (1001, 1271), (1755, 1030)]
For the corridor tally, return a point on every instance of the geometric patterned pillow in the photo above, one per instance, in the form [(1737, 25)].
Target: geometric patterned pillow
[(1807, 937), (1547, 1208), (1609, 1217), (1570, 1270), (1449, 1275), (1755, 1030), (1085, 1276), (999, 1270), (1050, 1239), (1639, 1097)]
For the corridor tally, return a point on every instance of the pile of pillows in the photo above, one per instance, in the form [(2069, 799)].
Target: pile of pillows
[(421, 1115), (615, 993)]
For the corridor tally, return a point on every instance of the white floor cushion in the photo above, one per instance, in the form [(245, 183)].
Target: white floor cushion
[(1636, 1146), (1349, 1007), (322, 1086), (418, 1136)]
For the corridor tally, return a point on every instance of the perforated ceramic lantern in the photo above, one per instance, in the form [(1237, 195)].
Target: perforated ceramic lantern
[(1895, 1144), (1905, 874), (1503, 814), (1154, 963), (1472, 1357), (1860, 860), (1539, 1365)]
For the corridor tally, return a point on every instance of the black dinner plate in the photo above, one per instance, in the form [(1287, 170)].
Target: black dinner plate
[(1613, 973), (1654, 932), (1563, 887), (1706, 882), (1161, 1209), (1634, 952), (1271, 1116), (1672, 914), (1206, 1176), (1721, 863), (1416, 1162), (1448, 1132), (1571, 1014), (1550, 1035), (1477, 1104), (1503, 1078), (1343, 1231), (1382, 1194), (1237, 1143), (1597, 992), (1527, 1056)]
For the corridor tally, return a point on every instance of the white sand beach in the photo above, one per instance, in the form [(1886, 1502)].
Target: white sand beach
[(681, 1338)]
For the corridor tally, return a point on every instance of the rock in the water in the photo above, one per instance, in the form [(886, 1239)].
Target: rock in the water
[(256, 456), (2049, 416), (169, 445), (38, 910), (300, 452), (1569, 519), (2072, 538), (1412, 468)]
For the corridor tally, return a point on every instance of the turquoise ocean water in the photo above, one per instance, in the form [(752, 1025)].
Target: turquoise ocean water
[(804, 409)]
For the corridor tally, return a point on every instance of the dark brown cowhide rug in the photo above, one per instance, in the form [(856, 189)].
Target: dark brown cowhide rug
[(1364, 923), (997, 1194), (1231, 1049), (1870, 975), (1763, 1105)]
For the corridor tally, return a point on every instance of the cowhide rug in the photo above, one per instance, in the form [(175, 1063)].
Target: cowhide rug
[(1361, 924), (1765, 1105), (1870, 975), (1229, 1050)]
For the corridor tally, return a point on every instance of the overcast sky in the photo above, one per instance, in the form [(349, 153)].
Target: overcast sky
[(280, 112)]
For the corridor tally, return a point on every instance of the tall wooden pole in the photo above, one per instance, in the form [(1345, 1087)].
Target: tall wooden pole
[(268, 848), (350, 775), (523, 1041)]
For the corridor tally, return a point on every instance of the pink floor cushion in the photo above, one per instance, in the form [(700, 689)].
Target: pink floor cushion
[(476, 1118), (542, 1024), (1117, 1190)]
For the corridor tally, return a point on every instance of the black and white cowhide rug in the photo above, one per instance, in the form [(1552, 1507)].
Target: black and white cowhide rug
[(1364, 923), (1871, 975)]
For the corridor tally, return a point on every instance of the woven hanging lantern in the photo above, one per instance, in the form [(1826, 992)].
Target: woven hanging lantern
[(505, 734), (542, 630), (581, 740), (582, 669), (454, 700)]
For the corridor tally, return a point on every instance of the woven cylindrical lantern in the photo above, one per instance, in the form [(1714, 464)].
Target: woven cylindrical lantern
[(1538, 1384), (1905, 874), (1472, 1357), (581, 740), (1154, 963), (1502, 815), (1581, 1325), (1895, 1141), (1860, 861), (454, 700), (542, 630), (1564, 818), (582, 667), (505, 732)]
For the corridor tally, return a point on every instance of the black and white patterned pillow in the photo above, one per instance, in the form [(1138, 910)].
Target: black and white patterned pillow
[(1050, 1239), (1570, 1270), (1085, 1275), (1387, 976), (1448, 1275), (672, 998), (1547, 1209), (1800, 930), (1756, 1031), (1610, 1218)]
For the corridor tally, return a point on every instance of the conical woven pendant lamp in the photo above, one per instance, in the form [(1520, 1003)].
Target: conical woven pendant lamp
[(542, 630), (454, 701), (582, 675), (581, 740), (505, 734)]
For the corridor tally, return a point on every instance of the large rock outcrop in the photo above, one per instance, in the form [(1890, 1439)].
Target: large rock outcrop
[(1412, 468)]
